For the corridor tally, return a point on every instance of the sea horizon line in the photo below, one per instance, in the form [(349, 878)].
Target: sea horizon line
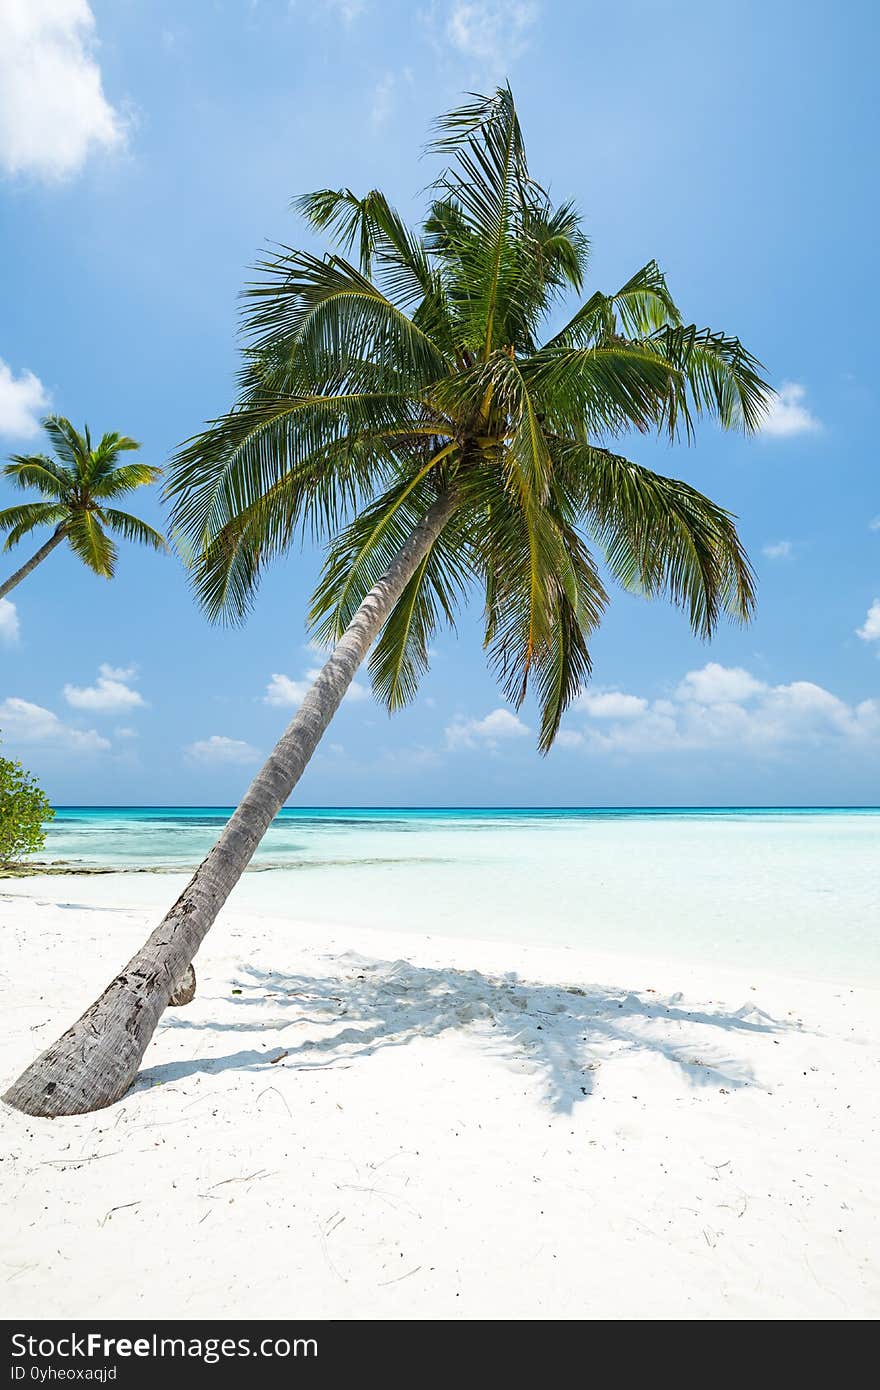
[(436, 806)]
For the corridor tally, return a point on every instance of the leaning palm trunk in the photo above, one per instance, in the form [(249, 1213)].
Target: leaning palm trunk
[(96, 1060), (32, 563)]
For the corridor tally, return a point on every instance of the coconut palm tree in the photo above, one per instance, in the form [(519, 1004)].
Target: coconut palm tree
[(408, 408), (78, 488)]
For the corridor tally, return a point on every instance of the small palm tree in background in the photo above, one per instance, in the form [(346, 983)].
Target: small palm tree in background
[(407, 409), (78, 489)]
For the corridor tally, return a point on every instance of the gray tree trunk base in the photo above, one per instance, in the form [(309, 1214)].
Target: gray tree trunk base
[(95, 1062)]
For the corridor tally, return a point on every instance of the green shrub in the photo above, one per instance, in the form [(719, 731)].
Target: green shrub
[(24, 810)]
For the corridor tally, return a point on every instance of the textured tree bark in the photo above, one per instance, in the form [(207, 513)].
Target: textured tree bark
[(184, 991), (97, 1059), (55, 539)]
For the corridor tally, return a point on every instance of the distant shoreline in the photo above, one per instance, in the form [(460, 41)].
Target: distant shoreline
[(543, 810), (39, 870)]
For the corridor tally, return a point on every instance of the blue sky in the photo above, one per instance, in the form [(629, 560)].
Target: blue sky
[(148, 149)]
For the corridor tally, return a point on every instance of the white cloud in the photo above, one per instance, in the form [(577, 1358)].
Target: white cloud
[(870, 631), (221, 750), (383, 96), (491, 31), (501, 724), (9, 625), (284, 691), (126, 732), (111, 693), (788, 415), (386, 95), (23, 399), (24, 722), (347, 10), (716, 685), (728, 710), (53, 111), (281, 690), (875, 524), (568, 738), (610, 704), (777, 550)]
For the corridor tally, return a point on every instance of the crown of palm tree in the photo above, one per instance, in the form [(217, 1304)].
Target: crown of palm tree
[(77, 487), (369, 390)]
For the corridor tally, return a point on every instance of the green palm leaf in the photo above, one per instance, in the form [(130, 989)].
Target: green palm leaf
[(131, 528), (89, 541), (431, 598), (426, 370), (43, 474), (75, 484), (663, 537), (364, 550), (18, 522)]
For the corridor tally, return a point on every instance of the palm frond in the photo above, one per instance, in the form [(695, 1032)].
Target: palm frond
[(486, 201), (37, 471), (110, 481), (641, 306), (663, 537), (714, 373), (241, 457), (369, 389), (91, 544), (600, 390), (564, 666), (518, 550), (70, 446), (360, 555), (131, 528), (75, 486), (328, 308), (433, 596), (19, 521)]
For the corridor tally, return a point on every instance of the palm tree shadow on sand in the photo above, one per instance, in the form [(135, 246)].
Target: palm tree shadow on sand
[(558, 1033)]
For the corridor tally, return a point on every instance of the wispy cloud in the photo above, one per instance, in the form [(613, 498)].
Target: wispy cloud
[(346, 10), (611, 704), (284, 691), (494, 32), (383, 101), (568, 738), (788, 415), (727, 708), (874, 525), (715, 684), (111, 693), (9, 624), (777, 550), (24, 722), (220, 750), (498, 726), (23, 399), (386, 94), (53, 111), (870, 629)]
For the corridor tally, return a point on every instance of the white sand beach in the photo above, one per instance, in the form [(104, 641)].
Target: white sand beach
[(353, 1123)]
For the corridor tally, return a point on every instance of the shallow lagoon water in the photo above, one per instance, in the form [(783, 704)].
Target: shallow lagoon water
[(789, 890)]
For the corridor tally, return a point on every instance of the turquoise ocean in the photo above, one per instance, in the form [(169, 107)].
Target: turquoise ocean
[(788, 889)]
